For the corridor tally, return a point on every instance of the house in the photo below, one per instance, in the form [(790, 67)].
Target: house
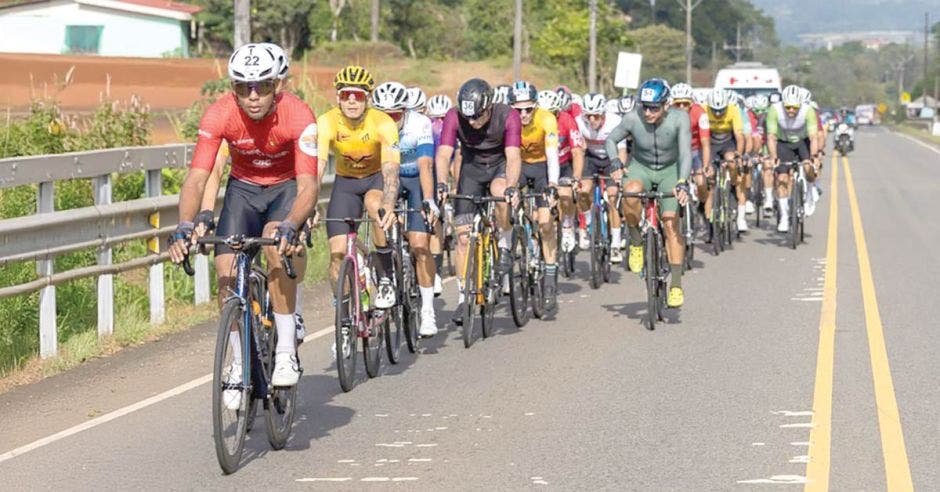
[(923, 107), (138, 28)]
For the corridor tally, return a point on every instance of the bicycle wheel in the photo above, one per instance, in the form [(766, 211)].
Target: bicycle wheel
[(230, 426), (651, 273), (794, 214), (714, 225), (395, 329), (730, 217), (605, 261), (470, 288), (689, 250), (801, 219), (346, 325), (663, 263), (492, 287), (519, 278), (409, 313), (597, 253), (280, 403)]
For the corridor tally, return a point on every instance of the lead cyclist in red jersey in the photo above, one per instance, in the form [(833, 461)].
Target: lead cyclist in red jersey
[(273, 187)]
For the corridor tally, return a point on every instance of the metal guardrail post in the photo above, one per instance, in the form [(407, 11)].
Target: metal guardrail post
[(48, 333), (154, 187), (201, 279), (102, 190)]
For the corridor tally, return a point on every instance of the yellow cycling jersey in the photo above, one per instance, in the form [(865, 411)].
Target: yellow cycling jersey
[(539, 134), (358, 151), (729, 123)]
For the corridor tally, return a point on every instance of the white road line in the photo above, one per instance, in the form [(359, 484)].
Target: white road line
[(95, 422), (786, 479), (807, 425), (918, 142), (324, 479)]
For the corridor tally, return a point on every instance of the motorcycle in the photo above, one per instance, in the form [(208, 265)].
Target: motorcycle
[(844, 142)]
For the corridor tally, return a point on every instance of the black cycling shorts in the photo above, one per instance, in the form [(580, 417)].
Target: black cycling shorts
[(593, 165), (247, 207), (722, 147), (788, 152), (535, 178), (347, 200), (410, 189), (565, 173), (475, 180)]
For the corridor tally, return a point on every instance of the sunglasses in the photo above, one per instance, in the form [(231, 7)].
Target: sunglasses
[(594, 116), (791, 108), (682, 104), (474, 119), (354, 94), (525, 110), (652, 108), (263, 88)]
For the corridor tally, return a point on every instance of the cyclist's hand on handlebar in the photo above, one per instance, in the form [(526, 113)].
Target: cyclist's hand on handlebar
[(512, 196), (204, 223), (682, 192), (551, 193), (286, 234), (386, 219), (430, 210), (181, 241), (442, 190)]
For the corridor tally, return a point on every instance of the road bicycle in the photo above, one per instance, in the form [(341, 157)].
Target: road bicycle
[(599, 232)]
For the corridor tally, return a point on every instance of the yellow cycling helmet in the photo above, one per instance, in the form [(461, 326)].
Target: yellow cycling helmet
[(354, 76)]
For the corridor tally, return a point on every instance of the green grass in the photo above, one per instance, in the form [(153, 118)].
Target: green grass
[(916, 131)]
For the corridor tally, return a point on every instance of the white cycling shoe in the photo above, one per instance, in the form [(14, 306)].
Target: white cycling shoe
[(616, 255), (286, 370), (784, 224), (584, 242), (428, 326), (749, 207), (385, 294)]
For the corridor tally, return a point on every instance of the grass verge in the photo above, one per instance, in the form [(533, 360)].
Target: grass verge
[(916, 132)]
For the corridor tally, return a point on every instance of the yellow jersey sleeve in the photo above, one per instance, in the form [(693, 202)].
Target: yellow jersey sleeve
[(737, 125), (387, 132), (325, 130)]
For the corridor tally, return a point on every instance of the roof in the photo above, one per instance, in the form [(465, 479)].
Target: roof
[(159, 8)]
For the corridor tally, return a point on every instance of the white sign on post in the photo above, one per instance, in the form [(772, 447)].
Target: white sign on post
[(627, 75)]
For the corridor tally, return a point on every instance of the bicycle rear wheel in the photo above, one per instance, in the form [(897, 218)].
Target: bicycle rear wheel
[(372, 344), (395, 329), (651, 272), (230, 426), (409, 313), (519, 278), (471, 286), (346, 325), (280, 402), (597, 253)]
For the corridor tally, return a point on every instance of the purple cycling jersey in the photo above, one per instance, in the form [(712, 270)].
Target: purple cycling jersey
[(486, 145)]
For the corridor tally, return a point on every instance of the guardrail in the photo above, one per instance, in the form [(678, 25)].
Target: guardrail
[(49, 233)]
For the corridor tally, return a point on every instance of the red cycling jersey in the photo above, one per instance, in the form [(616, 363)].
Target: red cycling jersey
[(699, 126), (569, 136), (574, 110), (278, 148)]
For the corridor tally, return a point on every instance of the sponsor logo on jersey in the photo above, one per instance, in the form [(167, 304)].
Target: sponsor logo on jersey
[(308, 140), (262, 163), (204, 134)]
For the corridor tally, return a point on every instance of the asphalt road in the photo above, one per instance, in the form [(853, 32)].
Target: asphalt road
[(768, 375)]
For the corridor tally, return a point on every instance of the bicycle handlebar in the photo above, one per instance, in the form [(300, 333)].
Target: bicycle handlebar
[(239, 242)]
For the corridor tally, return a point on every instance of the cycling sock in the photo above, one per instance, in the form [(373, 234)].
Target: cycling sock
[(636, 239), (551, 270), (505, 238), (587, 219), (461, 295), (299, 299), (615, 237), (768, 195), (285, 333), (784, 205), (427, 298), (676, 271), (383, 260)]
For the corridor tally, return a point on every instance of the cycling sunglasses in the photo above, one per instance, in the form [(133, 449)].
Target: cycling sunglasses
[(682, 104), (525, 110), (652, 108), (356, 94), (262, 88), (792, 108)]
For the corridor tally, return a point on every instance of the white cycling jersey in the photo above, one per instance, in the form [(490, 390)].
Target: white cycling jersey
[(594, 140), (415, 139)]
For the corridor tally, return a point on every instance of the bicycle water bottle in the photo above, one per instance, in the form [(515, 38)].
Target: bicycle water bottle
[(364, 282)]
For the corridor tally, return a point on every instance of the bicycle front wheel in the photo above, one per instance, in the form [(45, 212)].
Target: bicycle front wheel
[(651, 256), (795, 203), (492, 287), (471, 286), (280, 404), (597, 255), (410, 310), (519, 279), (372, 345), (231, 388), (346, 325), (395, 330)]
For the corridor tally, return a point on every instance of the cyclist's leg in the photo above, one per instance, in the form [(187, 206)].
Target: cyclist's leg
[(638, 180), (786, 154), (238, 216), (613, 215), (666, 180), (497, 186), (419, 242), (586, 200), (472, 180), (384, 265), (768, 177), (345, 201), (566, 206), (698, 176)]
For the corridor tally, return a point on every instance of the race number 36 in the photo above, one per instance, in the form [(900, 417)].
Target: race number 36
[(467, 107)]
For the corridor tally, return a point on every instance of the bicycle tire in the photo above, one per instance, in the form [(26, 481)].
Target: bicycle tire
[(470, 288), (346, 330), (537, 278), (395, 329), (409, 313), (229, 456), (794, 211), (714, 224), (280, 404), (597, 255), (519, 279), (492, 286), (607, 241), (651, 274), (661, 290)]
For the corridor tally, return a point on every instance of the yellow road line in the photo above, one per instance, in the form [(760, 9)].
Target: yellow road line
[(897, 469), (817, 467)]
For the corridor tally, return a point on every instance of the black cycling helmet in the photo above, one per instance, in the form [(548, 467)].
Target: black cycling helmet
[(473, 98)]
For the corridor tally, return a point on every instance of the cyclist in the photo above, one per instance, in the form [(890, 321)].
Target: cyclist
[(662, 157), (596, 124), (272, 189), (417, 99), (540, 171), (701, 137), (570, 160), (501, 94), (364, 145), (568, 104), (791, 135), (437, 107), (416, 181), (760, 106), (726, 129), (489, 136)]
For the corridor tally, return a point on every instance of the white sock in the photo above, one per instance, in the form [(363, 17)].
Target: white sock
[(768, 195), (567, 221), (235, 343), (784, 206), (615, 237), (587, 219), (427, 298), (740, 210), (299, 301), (285, 333), (505, 238), (461, 295)]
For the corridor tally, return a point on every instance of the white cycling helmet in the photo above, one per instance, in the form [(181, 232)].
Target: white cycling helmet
[(594, 103), (805, 95), (281, 56), (501, 94), (718, 99), (750, 102), (439, 105), (576, 99), (700, 96), (549, 100), (390, 96), (254, 63), (613, 106), (791, 96), (626, 103), (761, 102), (682, 92), (416, 98)]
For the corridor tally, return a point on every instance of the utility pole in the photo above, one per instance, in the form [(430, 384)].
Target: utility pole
[(688, 6), (242, 28), (899, 66), (738, 48), (652, 11), (926, 49), (517, 44), (375, 21), (592, 52)]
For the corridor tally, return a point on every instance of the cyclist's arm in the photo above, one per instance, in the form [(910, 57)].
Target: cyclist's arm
[(772, 133), (811, 131), (215, 179), (704, 137), (512, 139), (204, 159), (551, 148), (737, 126), (324, 139), (445, 148), (426, 159), (685, 148), (616, 153), (391, 161), (306, 150), (577, 152)]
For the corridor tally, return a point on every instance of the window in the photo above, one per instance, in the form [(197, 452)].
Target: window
[(82, 39)]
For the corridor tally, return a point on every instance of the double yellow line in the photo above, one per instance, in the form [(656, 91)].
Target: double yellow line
[(897, 468)]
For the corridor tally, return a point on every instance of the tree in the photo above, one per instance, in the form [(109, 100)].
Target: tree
[(663, 50)]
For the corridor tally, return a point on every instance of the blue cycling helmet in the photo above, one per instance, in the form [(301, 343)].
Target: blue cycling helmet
[(654, 91)]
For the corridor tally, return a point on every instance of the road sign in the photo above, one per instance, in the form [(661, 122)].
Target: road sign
[(628, 70), (905, 98), (882, 108)]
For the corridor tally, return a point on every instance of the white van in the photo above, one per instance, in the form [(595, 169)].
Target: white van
[(749, 78)]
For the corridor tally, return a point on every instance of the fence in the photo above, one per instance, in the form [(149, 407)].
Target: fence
[(49, 233)]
